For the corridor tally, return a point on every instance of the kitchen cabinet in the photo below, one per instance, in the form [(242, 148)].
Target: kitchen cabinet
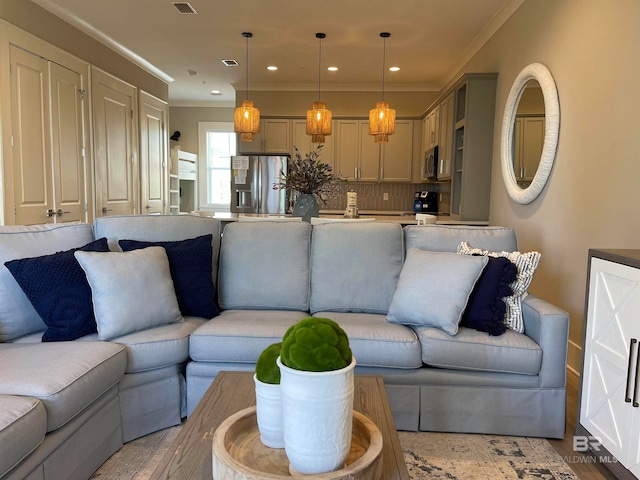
[(471, 145), (274, 137), (431, 129), (445, 138), (396, 156), (357, 156), (303, 142), (609, 408), (529, 140)]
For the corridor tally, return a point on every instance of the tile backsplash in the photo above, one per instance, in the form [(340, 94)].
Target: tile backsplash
[(371, 196)]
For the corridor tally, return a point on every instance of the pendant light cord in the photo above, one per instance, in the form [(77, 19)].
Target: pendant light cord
[(319, 65), (247, 68), (384, 58)]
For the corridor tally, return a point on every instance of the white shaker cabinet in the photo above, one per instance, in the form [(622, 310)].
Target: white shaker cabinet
[(357, 155), (397, 155), (445, 144), (274, 137), (609, 408), (303, 142)]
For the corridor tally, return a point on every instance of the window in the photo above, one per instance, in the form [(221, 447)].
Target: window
[(217, 145)]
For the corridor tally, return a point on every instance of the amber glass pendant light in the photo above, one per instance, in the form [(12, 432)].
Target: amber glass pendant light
[(382, 119), (319, 117), (246, 119)]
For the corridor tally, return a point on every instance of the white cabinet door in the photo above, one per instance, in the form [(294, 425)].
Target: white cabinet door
[(115, 139), (609, 376), (303, 142), (445, 150), (397, 154), (153, 154), (277, 135), (49, 173), (347, 132), (368, 155)]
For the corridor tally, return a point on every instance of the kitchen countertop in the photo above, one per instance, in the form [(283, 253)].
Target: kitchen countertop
[(402, 218)]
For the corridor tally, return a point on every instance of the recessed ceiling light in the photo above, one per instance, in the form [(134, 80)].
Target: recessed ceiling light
[(216, 92), (394, 69), (332, 69), (273, 68)]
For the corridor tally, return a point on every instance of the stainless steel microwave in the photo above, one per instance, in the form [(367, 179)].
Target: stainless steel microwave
[(430, 167)]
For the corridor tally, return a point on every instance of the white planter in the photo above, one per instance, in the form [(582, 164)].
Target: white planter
[(318, 416), (269, 413)]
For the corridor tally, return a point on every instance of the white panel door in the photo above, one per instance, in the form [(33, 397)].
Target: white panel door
[(114, 140), (609, 378), (67, 145), (153, 154), (33, 190)]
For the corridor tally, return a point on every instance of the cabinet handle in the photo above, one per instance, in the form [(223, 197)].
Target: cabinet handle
[(635, 387), (627, 393)]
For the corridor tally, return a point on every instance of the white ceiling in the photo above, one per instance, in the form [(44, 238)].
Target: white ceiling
[(430, 40)]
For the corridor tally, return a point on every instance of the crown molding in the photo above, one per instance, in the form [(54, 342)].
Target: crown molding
[(281, 87)]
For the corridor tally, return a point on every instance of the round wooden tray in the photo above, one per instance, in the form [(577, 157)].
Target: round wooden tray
[(238, 453)]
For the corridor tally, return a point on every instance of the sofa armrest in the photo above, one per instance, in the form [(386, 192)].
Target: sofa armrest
[(548, 326)]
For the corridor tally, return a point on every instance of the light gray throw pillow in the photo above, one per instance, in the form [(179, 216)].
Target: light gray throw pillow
[(434, 288), (131, 291)]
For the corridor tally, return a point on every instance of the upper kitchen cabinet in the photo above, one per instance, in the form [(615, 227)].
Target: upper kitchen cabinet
[(357, 156), (472, 145), (431, 129), (46, 177), (274, 137), (397, 155), (445, 137), (303, 142)]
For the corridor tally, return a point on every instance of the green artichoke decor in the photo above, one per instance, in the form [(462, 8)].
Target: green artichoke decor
[(315, 345), (266, 369)]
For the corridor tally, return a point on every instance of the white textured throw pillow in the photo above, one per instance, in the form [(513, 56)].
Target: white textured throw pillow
[(131, 291), (526, 264), (434, 288)]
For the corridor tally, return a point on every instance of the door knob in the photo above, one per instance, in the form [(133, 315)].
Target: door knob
[(60, 212)]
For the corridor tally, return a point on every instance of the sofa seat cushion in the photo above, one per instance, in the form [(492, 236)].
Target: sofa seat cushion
[(240, 335), (156, 347), (23, 424), (17, 315), (470, 349), (376, 342), (65, 376)]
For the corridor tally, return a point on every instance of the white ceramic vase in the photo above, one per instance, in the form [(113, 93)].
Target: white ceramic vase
[(269, 413), (317, 418)]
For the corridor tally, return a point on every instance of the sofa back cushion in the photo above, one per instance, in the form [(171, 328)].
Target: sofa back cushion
[(17, 315), (355, 266), (159, 228), (265, 265), (446, 238)]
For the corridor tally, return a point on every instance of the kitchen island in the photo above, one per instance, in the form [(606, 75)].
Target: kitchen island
[(403, 218)]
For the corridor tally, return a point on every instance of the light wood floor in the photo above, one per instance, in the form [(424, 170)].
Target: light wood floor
[(586, 471)]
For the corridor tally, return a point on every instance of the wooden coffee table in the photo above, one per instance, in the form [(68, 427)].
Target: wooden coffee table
[(230, 392)]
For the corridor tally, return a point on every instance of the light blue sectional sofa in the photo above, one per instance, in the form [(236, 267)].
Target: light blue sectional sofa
[(65, 407)]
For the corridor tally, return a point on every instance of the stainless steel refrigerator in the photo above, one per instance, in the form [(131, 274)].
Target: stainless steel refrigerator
[(252, 180)]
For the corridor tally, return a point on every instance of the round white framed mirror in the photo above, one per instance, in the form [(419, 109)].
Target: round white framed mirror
[(528, 191)]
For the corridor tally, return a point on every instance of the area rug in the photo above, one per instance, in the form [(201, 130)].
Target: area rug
[(428, 456)]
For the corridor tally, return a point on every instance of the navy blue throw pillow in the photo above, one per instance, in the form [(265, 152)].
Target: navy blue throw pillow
[(190, 263), (58, 289), (486, 310)]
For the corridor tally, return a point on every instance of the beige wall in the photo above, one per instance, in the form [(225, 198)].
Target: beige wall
[(33, 19), (185, 120), (592, 199)]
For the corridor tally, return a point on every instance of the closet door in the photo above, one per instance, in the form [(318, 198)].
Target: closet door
[(114, 141), (153, 154), (32, 172), (67, 144)]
